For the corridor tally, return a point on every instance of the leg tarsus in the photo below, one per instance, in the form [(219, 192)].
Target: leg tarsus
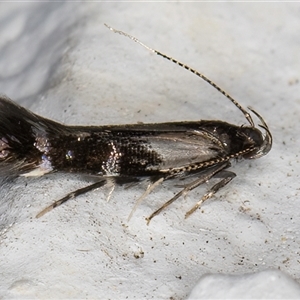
[(111, 191), (190, 186), (211, 192)]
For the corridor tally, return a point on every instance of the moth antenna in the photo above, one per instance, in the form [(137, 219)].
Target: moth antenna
[(245, 113)]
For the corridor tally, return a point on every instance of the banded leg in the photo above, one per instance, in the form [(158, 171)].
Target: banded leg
[(149, 189), (211, 192), (190, 186), (72, 195)]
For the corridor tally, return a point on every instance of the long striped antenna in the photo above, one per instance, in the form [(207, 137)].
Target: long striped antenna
[(246, 114)]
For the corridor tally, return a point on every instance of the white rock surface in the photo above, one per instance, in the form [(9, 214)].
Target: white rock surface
[(58, 60), (249, 286)]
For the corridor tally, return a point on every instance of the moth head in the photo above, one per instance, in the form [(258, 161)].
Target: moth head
[(261, 143)]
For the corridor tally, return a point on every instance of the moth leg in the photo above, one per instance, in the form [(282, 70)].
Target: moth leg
[(211, 192), (113, 185), (190, 186), (71, 196), (110, 193), (149, 189)]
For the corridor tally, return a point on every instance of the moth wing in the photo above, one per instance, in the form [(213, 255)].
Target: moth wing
[(178, 149)]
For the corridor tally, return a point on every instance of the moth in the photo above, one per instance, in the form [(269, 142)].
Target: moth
[(31, 145)]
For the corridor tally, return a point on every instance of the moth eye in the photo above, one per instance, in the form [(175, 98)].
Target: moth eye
[(253, 135)]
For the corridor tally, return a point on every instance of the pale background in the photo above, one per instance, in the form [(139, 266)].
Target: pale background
[(58, 60)]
